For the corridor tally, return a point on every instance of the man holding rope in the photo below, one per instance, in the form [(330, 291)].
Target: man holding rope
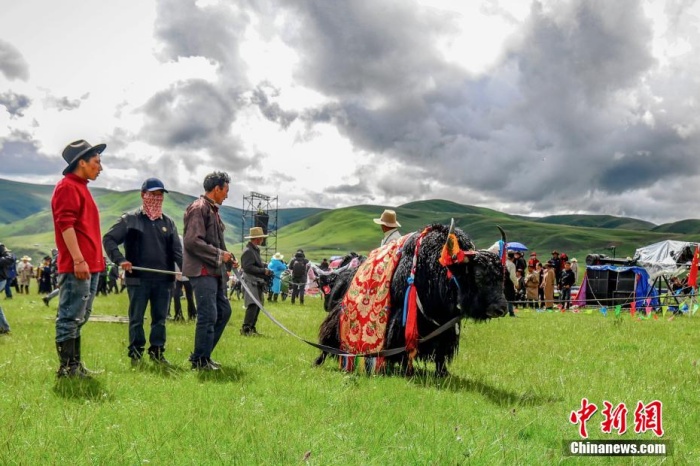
[(205, 262), (151, 242)]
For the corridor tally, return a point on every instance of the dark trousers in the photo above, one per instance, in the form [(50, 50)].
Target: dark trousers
[(157, 293), (565, 297), (8, 288), (213, 313), (252, 310), (298, 290), (191, 308)]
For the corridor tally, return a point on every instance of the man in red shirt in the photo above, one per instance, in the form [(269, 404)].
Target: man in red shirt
[(79, 241)]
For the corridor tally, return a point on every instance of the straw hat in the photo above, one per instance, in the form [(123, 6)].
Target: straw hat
[(26, 258), (278, 256), (256, 232), (388, 219)]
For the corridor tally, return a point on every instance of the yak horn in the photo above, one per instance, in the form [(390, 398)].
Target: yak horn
[(503, 235)]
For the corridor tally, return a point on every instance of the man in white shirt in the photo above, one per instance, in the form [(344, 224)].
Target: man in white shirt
[(390, 226)]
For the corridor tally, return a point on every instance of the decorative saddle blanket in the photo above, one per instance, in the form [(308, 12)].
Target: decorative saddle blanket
[(367, 303)]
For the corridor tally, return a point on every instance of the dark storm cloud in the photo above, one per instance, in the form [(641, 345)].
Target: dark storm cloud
[(21, 156), (190, 113), (15, 103), (213, 32), (12, 63), (271, 110)]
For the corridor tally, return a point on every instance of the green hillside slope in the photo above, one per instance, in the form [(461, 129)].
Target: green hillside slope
[(598, 221)]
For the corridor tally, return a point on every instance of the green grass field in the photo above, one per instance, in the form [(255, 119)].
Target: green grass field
[(508, 400)]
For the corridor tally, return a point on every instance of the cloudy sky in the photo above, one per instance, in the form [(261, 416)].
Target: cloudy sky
[(543, 107)]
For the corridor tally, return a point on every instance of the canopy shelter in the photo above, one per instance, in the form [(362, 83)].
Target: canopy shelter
[(610, 285), (665, 256)]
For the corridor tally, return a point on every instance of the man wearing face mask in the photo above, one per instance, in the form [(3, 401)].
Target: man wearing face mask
[(150, 241)]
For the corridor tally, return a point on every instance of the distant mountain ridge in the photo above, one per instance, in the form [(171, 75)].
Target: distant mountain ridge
[(26, 225)]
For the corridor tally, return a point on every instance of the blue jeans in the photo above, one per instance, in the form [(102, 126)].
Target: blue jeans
[(157, 292), (213, 313), (4, 325), (74, 304)]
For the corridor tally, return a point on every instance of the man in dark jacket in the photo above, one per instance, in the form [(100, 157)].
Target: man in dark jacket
[(6, 261), (205, 261), (568, 279), (300, 268), (150, 241), (255, 277)]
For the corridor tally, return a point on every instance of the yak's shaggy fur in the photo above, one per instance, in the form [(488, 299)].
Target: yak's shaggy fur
[(475, 291)]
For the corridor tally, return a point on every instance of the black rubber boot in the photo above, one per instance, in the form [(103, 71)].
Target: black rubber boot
[(81, 367), (69, 365)]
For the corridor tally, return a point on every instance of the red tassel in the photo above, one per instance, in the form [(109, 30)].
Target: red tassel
[(411, 331)]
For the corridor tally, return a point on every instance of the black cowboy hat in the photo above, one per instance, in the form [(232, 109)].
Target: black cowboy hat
[(76, 149)]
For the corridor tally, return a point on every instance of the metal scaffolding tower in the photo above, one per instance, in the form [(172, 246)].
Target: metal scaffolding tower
[(260, 210)]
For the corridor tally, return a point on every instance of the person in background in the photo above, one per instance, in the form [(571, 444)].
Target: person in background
[(43, 277), (11, 275), (390, 227), (539, 269), (182, 282), (510, 283), (557, 265), (568, 279), (78, 240), (520, 287), (532, 286), (277, 267), (533, 260), (574, 267), (547, 285), (255, 275), (324, 265), (25, 273), (519, 262), (5, 261), (299, 267)]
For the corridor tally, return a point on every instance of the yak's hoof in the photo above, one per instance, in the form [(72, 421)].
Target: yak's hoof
[(442, 373), (320, 360)]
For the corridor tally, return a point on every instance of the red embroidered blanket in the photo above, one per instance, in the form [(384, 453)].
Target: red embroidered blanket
[(367, 303)]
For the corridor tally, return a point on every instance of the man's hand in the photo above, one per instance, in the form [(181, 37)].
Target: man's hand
[(126, 265), (81, 270)]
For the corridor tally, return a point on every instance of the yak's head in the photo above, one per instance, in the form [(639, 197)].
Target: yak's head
[(478, 274), (481, 286)]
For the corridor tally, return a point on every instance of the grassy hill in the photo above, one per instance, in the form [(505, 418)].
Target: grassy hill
[(599, 221), (27, 228), (686, 227)]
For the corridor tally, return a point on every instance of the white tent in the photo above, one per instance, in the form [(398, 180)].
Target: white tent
[(664, 256)]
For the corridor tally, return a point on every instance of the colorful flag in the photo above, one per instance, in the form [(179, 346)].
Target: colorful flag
[(604, 311), (618, 310), (693, 273)]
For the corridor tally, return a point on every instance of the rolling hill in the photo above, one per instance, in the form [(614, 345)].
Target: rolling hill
[(27, 228)]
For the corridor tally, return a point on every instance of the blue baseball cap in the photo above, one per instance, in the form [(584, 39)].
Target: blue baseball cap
[(153, 184)]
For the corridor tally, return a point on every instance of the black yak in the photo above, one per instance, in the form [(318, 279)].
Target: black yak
[(470, 287)]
